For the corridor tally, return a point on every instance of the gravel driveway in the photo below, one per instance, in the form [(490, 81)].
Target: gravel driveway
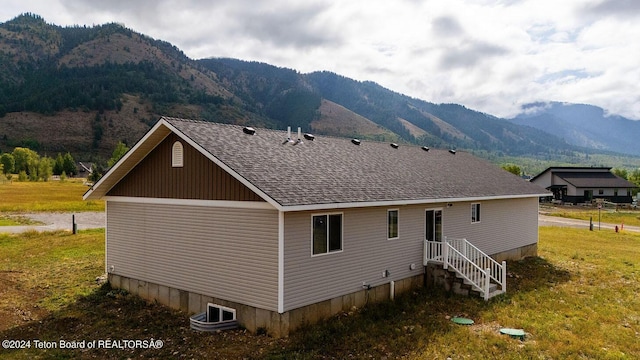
[(59, 221), (92, 220)]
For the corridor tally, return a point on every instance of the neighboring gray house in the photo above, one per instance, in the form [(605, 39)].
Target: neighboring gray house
[(287, 232), (584, 184)]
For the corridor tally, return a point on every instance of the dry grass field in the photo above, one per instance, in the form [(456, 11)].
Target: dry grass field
[(54, 196), (577, 300)]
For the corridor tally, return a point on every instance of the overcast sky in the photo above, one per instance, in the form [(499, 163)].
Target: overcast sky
[(491, 56)]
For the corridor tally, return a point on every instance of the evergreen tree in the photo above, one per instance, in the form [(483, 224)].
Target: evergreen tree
[(69, 165), (58, 165), (96, 174), (8, 163)]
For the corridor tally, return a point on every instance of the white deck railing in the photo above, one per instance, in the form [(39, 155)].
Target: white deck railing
[(473, 265)]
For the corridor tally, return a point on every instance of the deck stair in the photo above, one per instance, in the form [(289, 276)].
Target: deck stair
[(475, 271)]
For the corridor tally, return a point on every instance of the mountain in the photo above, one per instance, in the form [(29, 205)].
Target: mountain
[(583, 125), (82, 89), (286, 94)]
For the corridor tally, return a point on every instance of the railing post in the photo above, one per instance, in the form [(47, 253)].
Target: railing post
[(445, 255), (427, 253), (487, 282), (504, 276), (464, 248)]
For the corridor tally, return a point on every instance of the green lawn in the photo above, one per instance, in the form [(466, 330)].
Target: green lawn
[(577, 300)]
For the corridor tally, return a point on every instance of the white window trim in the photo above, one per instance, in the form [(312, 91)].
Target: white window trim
[(478, 216), (424, 227), (177, 155), (341, 234), (221, 309), (397, 225)]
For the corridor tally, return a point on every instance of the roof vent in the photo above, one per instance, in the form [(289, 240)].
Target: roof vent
[(249, 130), (288, 139), (394, 145), (299, 141), (355, 141), (452, 151), (309, 137), (425, 148)]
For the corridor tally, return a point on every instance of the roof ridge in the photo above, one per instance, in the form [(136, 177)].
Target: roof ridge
[(321, 136)]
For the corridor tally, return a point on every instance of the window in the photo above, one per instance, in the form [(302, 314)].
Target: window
[(475, 213), (392, 224), (217, 313), (327, 233), (177, 154), (600, 192)]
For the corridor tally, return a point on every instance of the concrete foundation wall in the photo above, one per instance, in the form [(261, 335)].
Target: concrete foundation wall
[(256, 319)]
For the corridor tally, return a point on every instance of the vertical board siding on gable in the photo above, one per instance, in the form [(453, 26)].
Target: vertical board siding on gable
[(504, 224), (199, 178), (366, 254), (231, 254)]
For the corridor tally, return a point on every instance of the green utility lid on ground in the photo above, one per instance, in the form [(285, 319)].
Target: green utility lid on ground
[(462, 321), (514, 333)]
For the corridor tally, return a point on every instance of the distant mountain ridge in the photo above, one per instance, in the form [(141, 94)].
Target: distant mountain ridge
[(583, 125), (82, 89)]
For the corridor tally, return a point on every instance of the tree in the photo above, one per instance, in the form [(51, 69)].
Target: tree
[(8, 163), (45, 168), (58, 165), (514, 169), (96, 174), (634, 177), (23, 158), (69, 165), (118, 153), (621, 173)]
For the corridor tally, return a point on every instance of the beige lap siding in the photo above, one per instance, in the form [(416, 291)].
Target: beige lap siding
[(504, 224), (366, 254), (225, 253)]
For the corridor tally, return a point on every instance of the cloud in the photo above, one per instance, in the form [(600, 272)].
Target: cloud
[(618, 8), (446, 26), (489, 55), (299, 26), (469, 54)]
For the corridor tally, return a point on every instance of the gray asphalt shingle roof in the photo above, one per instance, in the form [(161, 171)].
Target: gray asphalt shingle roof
[(604, 179), (332, 170)]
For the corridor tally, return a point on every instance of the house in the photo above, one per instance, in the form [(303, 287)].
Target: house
[(286, 230), (584, 184)]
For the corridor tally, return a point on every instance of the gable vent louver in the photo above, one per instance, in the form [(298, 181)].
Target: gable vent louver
[(394, 145), (248, 130), (355, 141)]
